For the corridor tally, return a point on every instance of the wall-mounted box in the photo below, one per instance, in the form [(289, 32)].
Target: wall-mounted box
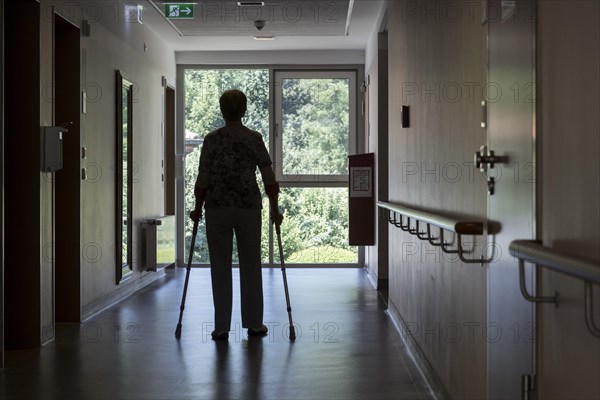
[(158, 238), (52, 148), (405, 114)]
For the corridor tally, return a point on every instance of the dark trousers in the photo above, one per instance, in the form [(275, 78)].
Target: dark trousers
[(221, 223)]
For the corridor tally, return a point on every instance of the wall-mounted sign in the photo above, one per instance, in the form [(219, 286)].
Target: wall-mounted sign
[(361, 182), (179, 11), (361, 207)]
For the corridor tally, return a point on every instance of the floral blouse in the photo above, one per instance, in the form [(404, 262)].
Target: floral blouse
[(228, 162)]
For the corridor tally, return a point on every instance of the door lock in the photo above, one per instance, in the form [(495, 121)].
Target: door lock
[(485, 159), (491, 185)]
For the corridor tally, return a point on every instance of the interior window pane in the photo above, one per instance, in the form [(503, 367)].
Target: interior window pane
[(202, 114), (315, 119), (315, 226)]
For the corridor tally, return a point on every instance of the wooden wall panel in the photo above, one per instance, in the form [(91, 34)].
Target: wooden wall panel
[(437, 66), (569, 100)]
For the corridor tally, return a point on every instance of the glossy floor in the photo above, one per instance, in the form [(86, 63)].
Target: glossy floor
[(347, 347)]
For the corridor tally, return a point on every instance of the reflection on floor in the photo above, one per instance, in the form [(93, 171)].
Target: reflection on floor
[(347, 347)]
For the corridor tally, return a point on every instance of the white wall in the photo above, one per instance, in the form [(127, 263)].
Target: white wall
[(144, 57)]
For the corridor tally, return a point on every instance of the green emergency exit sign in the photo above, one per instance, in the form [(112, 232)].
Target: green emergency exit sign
[(179, 11)]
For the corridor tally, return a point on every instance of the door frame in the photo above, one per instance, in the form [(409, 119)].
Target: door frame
[(512, 354)]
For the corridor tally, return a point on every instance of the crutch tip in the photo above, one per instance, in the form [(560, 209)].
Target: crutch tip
[(178, 331), (292, 334)]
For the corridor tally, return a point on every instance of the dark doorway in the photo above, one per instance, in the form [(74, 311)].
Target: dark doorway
[(2, 180), (21, 182), (68, 179), (169, 156), (382, 157)]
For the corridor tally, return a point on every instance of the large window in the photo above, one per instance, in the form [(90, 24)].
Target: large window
[(202, 115), (314, 129)]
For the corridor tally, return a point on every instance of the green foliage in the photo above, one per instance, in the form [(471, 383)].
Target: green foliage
[(316, 117), (323, 254)]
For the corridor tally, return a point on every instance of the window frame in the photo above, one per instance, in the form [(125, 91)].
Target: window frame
[(278, 134)]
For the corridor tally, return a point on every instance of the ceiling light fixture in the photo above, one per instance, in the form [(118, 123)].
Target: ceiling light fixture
[(251, 3), (264, 37)]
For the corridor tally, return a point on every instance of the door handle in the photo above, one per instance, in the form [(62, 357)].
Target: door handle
[(485, 159)]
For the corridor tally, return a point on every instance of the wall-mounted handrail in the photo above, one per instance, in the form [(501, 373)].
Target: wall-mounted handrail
[(457, 227), (533, 251), (449, 224), (588, 271)]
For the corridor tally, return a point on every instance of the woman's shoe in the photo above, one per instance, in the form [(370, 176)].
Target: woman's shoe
[(219, 335), (262, 331)]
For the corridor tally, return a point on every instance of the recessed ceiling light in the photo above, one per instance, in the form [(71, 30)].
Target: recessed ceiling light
[(251, 3), (264, 37)]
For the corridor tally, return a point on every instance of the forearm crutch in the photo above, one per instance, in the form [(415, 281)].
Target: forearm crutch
[(187, 278), (285, 285)]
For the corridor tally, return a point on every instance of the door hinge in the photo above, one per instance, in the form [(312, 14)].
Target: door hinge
[(527, 386)]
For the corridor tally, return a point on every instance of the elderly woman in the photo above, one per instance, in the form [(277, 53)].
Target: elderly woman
[(226, 186)]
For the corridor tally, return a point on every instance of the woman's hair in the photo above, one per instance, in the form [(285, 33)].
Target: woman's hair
[(233, 105)]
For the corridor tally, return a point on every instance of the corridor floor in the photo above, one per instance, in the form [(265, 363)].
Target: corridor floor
[(347, 347)]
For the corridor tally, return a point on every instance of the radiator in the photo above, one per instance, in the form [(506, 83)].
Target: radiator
[(158, 238)]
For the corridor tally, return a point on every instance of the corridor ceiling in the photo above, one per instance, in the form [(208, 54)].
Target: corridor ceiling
[(296, 24)]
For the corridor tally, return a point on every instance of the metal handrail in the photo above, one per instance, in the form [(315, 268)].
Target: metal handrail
[(577, 267), (449, 224), (533, 251), (457, 227)]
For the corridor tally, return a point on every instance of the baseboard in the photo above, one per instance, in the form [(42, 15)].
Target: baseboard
[(123, 291), (434, 384), (48, 334), (372, 275)]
